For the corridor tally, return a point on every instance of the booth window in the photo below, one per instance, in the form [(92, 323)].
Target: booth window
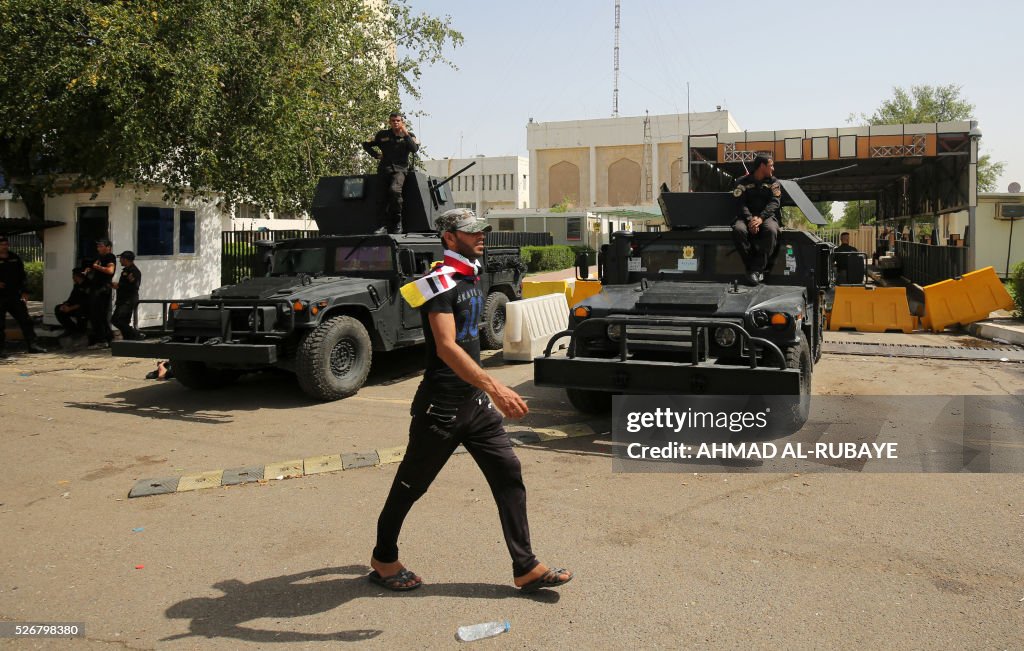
[(157, 226)]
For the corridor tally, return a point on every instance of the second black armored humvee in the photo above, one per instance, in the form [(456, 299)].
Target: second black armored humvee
[(328, 302), (673, 319)]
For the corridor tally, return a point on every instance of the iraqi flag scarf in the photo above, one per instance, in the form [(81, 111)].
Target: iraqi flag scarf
[(441, 279)]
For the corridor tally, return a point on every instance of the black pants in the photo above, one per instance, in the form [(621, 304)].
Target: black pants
[(756, 250), (99, 315), (122, 319), (16, 307), (396, 182), (432, 439), (74, 322)]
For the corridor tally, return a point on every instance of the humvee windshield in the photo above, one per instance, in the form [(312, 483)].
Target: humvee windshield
[(363, 258), (294, 261)]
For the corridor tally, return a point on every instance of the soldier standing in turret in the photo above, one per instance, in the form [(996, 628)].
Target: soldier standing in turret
[(392, 148), (756, 228)]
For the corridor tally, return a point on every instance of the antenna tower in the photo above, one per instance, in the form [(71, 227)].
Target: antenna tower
[(615, 89)]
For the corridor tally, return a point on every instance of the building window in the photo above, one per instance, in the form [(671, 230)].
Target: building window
[(187, 231), (472, 183), (506, 224), (504, 181), (572, 229), (156, 227)]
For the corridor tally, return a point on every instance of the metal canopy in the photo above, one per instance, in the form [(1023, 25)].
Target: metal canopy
[(16, 226)]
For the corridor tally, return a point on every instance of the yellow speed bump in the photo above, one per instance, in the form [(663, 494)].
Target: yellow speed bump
[(324, 463), (210, 479), (283, 469)]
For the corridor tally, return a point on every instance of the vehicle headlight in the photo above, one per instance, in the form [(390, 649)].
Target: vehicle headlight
[(725, 337), (760, 319), (615, 331)]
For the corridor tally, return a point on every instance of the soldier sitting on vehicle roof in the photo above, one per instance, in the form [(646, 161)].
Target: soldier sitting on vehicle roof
[(756, 228)]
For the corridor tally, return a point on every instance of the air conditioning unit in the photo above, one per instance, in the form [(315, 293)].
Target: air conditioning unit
[(1009, 211)]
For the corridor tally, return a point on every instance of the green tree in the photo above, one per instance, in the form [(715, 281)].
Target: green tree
[(793, 217), (254, 99), (932, 104), (856, 213)]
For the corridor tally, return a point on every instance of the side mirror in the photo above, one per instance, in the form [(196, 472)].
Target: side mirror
[(406, 262), (582, 268)]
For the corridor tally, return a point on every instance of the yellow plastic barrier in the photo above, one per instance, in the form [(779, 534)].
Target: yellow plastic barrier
[(584, 289), (535, 288), (964, 301), (863, 309)]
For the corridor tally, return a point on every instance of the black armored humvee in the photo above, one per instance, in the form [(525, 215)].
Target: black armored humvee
[(327, 302), (672, 318)]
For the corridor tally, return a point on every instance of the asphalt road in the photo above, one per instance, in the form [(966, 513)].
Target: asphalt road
[(726, 559)]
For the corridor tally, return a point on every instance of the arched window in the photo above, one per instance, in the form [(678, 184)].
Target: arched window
[(624, 183)]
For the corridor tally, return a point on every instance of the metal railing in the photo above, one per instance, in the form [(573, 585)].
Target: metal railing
[(28, 246), (926, 264)]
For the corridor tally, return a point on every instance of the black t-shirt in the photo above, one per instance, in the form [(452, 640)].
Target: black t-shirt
[(78, 296), (465, 302), (100, 280), (128, 284), (12, 275)]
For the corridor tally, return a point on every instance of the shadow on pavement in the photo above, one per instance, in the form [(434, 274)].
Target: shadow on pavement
[(300, 595)]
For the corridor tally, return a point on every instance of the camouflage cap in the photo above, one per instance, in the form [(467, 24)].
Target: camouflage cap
[(461, 219)]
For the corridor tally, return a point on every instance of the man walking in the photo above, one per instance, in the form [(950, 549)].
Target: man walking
[(127, 299), (14, 297), (453, 405), (392, 148)]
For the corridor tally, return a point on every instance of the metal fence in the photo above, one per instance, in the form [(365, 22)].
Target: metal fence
[(28, 246), (515, 238), (238, 258), (925, 264)]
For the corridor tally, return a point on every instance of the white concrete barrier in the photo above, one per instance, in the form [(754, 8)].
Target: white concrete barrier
[(529, 324)]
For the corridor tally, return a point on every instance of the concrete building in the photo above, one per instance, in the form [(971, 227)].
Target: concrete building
[(177, 245), (999, 241), (573, 228), (614, 161), (493, 183)]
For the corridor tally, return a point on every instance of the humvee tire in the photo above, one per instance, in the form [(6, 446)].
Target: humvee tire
[(333, 359), (590, 402), (492, 330), (799, 357), (199, 376)]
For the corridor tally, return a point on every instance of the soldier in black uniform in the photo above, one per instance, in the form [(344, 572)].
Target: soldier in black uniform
[(453, 405), (127, 299), (758, 207), (13, 297), (392, 148), (101, 274), (73, 314)]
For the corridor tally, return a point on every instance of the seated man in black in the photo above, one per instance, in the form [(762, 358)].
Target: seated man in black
[(758, 207), (842, 261), (392, 147), (73, 314)]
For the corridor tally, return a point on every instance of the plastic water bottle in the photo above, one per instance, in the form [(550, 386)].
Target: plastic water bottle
[(480, 631)]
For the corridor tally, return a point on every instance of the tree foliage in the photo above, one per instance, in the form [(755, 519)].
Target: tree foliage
[(253, 99), (856, 213), (793, 217), (927, 103)]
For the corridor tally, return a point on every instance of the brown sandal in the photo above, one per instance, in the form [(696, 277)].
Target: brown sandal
[(397, 581)]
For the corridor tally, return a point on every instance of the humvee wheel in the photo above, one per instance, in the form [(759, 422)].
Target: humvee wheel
[(492, 330), (799, 357), (590, 402), (199, 376), (334, 359)]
